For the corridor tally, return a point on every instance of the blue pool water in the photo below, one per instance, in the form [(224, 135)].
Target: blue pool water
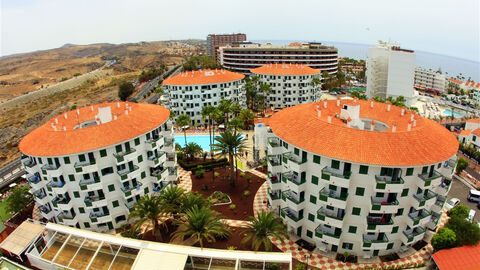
[(448, 112), (202, 140)]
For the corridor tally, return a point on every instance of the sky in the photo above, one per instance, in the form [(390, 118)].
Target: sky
[(439, 26)]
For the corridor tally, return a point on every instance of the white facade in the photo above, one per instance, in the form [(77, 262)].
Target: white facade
[(430, 80), (95, 189), (390, 71)]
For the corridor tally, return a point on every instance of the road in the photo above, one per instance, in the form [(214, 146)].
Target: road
[(149, 86), (9, 172), (460, 190)]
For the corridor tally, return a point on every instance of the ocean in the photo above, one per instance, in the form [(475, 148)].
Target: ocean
[(452, 65)]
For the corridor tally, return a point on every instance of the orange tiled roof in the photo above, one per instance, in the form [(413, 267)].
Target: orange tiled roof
[(427, 142), (460, 258), (204, 76), (476, 132), (465, 132), (285, 69), (58, 137), (474, 120), (455, 81)]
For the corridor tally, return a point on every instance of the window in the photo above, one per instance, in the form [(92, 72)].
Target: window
[(115, 204), (145, 191), (379, 194), (399, 212), (348, 246), (103, 153), (309, 233), (390, 246), (332, 187), (360, 191), (76, 194), (409, 171), (363, 169), (296, 151), (356, 211), (71, 177), (314, 180), (316, 159), (140, 158), (137, 141), (81, 210), (106, 171), (395, 229), (439, 165), (86, 224), (311, 217), (474, 138), (118, 148), (425, 170), (66, 160), (142, 175), (405, 192), (111, 187), (330, 207), (352, 229), (313, 199), (336, 164)]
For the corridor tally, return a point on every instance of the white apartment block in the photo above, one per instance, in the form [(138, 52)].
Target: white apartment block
[(188, 92), (430, 80), (291, 84), (87, 167), (346, 176), (390, 71)]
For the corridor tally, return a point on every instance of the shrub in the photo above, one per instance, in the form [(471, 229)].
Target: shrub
[(125, 89), (246, 193), (63, 79), (459, 211), (444, 238), (301, 266), (216, 174), (232, 206), (204, 187), (206, 165), (231, 248), (199, 173), (242, 174), (462, 164), (467, 233)]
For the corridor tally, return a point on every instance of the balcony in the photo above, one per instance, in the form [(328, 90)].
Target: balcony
[(329, 235), (424, 200), (90, 184), (95, 201), (129, 190), (379, 224), (160, 174), (29, 163), (388, 184), (124, 155), (124, 173), (293, 216), (293, 178), (419, 218), (51, 170), (274, 161), (129, 205), (155, 160), (59, 186), (274, 195), (293, 200), (336, 177), (293, 162), (61, 203), (274, 147), (413, 235), (330, 217), (100, 217), (85, 166), (34, 179), (65, 216), (152, 142), (429, 181), (50, 167), (381, 205), (444, 187), (333, 198), (375, 241), (439, 203)]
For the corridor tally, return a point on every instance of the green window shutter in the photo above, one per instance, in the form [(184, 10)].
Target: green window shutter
[(352, 229), (76, 194), (66, 160), (111, 188), (334, 248), (137, 141), (330, 207), (395, 229), (313, 199), (379, 194), (356, 211), (142, 175), (405, 192), (363, 169), (425, 169), (103, 153), (390, 246), (360, 191), (145, 191), (86, 224), (409, 171), (148, 136), (71, 177), (336, 164), (474, 138), (118, 148), (296, 151), (309, 233), (332, 187), (314, 180), (81, 157), (140, 158), (81, 210), (316, 159), (311, 217), (399, 212), (115, 204)]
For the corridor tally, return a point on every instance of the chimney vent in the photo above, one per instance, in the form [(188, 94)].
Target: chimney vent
[(394, 128)]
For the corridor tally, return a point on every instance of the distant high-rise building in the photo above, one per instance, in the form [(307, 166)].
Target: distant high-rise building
[(216, 41), (430, 80), (390, 71)]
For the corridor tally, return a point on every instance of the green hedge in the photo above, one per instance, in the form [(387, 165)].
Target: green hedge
[(208, 165)]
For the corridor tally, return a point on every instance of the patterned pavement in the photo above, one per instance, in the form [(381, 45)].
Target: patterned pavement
[(324, 262)]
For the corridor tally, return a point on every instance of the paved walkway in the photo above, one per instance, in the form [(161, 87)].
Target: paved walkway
[(324, 262)]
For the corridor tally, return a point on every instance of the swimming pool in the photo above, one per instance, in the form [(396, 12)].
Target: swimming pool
[(448, 112), (202, 140)]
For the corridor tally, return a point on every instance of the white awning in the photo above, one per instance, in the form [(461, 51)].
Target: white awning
[(147, 258), (21, 238)]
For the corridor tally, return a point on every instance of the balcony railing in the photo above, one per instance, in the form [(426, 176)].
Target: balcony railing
[(368, 240), (84, 183), (321, 230), (273, 178), (57, 184), (128, 189), (290, 214), (40, 194), (44, 209), (29, 163), (34, 179), (90, 199), (293, 178), (378, 203), (419, 215), (422, 198), (274, 161), (274, 195), (124, 173), (412, 233), (63, 216), (50, 167), (58, 200), (120, 156), (322, 212), (293, 158), (373, 222), (95, 215), (290, 196), (327, 172), (325, 192), (425, 177), (153, 141), (81, 164), (382, 181), (274, 142), (158, 173)]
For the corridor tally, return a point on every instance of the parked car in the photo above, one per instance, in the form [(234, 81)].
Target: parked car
[(452, 203), (471, 215)]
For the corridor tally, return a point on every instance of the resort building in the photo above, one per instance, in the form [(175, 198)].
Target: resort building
[(429, 80), (242, 57), (291, 84), (216, 41), (188, 92), (471, 133), (357, 176), (87, 167), (390, 71), (51, 246)]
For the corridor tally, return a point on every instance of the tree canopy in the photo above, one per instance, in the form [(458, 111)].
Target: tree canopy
[(125, 89), (200, 62)]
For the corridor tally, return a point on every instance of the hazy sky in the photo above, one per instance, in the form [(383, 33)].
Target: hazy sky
[(440, 26)]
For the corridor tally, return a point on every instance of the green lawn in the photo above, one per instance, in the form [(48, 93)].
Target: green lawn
[(4, 216)]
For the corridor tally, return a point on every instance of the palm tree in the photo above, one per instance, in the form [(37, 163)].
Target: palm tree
[(235, 124), (236, 109), (203, 224), (217, 118), (191, 199), (192, 149), (183, 120), (171, 198), (266, 89), (229, 144), (207, 112), (225, 107), (147, 210), (315, 82), (247, 117), (261, 228)]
